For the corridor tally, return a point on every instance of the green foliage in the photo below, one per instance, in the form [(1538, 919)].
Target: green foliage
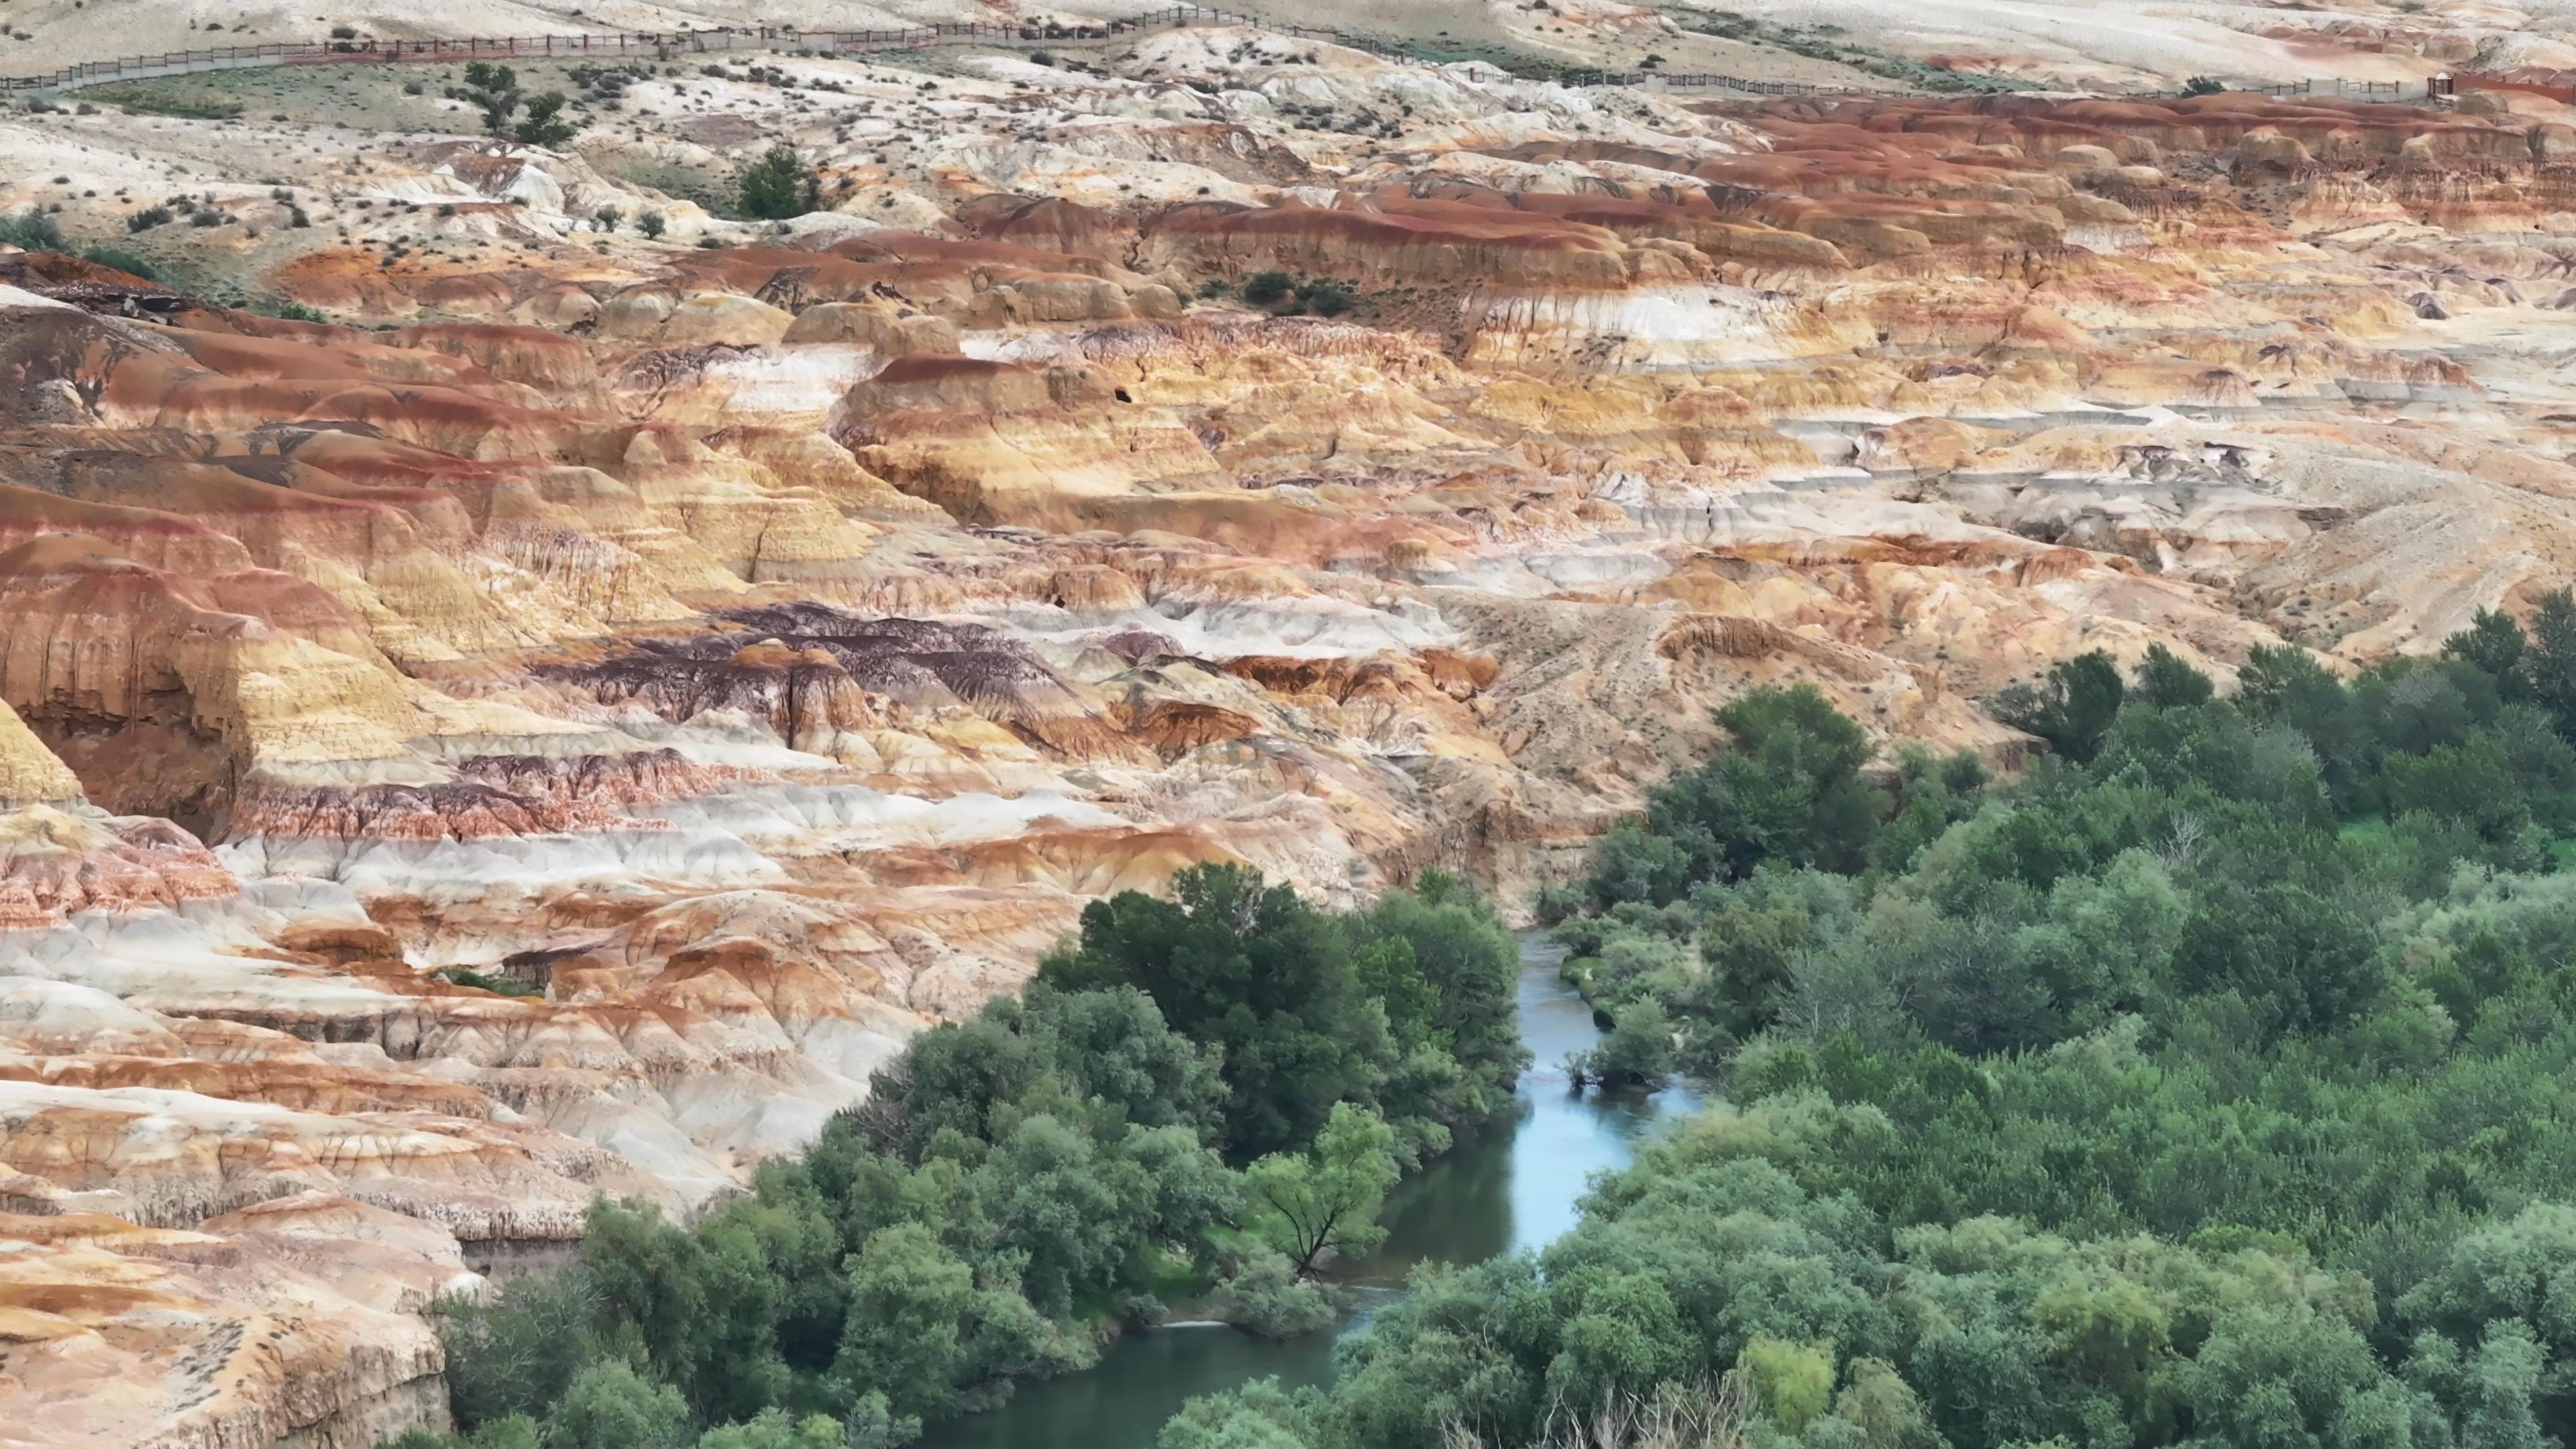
[(516, 1352), (1263, 288), (544, 124), (1310, 1204), (2207, 1086), (2164, 681), (491, 89), (920, 1330), (2494, 645), (145, 98), (1788, 789), (1791, 1382), (1015, 1182), (1325, 296), (516, 1432), (2549, 660), (775, 1429), (2071, 709), (1637, 1050), (651, 224), (499, 985), (119, 259), (610, 1406), (31, 230), (777, 186), (1268, 1296), (2202, 85), (1467, 966), (1254, 969)]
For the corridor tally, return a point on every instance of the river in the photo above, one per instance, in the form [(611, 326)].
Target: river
[(1511, 1186)]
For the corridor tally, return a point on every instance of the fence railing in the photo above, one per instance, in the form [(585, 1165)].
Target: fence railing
[(668, 45), (2338, 88), (660, 45)]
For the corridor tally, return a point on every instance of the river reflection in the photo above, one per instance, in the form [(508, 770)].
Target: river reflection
[(1513, 1185)]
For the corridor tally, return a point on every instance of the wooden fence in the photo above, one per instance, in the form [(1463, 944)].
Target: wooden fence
[(671, 45), (656, 45)]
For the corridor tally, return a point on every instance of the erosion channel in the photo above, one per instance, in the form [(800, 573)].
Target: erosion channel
[(1509, 1187)]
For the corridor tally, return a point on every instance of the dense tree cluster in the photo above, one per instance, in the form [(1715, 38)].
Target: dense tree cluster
[(1208, 1095), (2209, 1085)]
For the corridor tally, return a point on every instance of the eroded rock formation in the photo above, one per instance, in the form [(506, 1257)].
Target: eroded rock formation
[(557, 725)]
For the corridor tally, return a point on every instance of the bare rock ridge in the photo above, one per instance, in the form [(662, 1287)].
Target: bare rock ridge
[(557, 723)]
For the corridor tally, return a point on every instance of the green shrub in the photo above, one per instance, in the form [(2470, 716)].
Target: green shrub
[(1263, 288), (1324, 296), (123, 261), (778, 186), (32, 230), (291, 311)]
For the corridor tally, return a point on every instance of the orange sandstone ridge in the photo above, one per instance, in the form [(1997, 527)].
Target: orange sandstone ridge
[(746, 654)]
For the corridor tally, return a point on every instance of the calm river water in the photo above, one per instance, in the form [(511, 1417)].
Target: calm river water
[(1512, 1186)]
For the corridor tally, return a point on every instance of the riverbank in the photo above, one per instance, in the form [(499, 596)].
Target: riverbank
[(1510, 1187)]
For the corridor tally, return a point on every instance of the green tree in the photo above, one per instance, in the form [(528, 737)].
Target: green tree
[(2549, 663), (646, 1273), (1069, 1211), (2072, 709), (1637, 1051), (776, 1429), (1308, 1204), (1263, 288), (610, 1406), (911, 1306), (778, 185), (1470, 962), (2494, 645), (1250, 967), (1637, 863), (1792, 1382), (544, 125), (2164, 681), (2305, 962), (1787, 788), (2472, 783), (2271, 1378), (1622, 1335), (493, 90), (516, 1350), (1386, 970), (1267, 1296)]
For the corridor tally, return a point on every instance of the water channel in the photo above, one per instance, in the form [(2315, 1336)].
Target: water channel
[(1509, 1187)]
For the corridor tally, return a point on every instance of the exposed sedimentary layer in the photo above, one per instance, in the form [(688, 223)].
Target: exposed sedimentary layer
[(557, 725)]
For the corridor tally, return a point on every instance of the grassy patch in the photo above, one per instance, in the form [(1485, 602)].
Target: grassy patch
[(476, 979), (1832, 43), (151, 98)]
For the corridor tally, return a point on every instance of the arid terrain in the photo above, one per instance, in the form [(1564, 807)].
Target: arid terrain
[(558, 721)]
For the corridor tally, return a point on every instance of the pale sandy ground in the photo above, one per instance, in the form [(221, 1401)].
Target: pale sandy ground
[(2113, 43)]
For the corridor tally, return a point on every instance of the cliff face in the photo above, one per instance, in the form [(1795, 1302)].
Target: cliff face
[(743, 654)]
